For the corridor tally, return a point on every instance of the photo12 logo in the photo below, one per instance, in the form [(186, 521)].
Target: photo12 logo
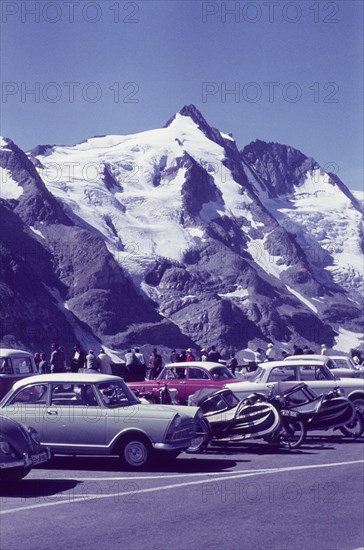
[(69, 92), (270, 11), (270, 92), (69, 12)]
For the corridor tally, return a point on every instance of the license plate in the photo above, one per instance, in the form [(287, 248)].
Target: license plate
[(289, 413), (38, 459)]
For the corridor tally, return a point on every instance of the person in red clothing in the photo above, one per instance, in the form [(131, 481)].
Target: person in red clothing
[(155, 364), (190, 356)]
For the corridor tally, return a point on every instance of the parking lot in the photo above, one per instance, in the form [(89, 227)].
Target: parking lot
[(252, 496)]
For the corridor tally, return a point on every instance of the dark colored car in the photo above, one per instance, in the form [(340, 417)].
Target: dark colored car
[(20, 449), (15, 364)]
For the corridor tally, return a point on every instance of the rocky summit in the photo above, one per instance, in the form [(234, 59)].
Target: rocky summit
[(174, 237)]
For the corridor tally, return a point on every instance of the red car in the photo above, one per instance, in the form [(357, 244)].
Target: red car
[(187, 378)]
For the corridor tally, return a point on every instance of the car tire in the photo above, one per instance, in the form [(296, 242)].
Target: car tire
[(136, 452), (355, 428), (298, 434), (359, 405), (202, 437), (15, 474)]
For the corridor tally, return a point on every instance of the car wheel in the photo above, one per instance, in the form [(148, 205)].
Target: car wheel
[(355, 428), (296, 434), (136, 452), (359, 405), (15, 474), (202, 437)]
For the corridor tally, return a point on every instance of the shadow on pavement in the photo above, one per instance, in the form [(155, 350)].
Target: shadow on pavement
[(35, 488), (183, 464)]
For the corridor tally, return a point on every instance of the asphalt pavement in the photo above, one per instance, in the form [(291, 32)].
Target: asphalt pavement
[(253, 496)]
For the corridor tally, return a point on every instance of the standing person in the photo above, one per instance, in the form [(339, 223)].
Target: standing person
[(190, 357), (155, 364), (130, 362), (324, 350), (174, 356), (57, 359), (233, 363), (78, 359), (308, 351), (270, 354), (43, 367), (141, 365), (91, 361), (297, 350), (37, 360), (104, 362), (214, 355), (182, 358), (204, 355)]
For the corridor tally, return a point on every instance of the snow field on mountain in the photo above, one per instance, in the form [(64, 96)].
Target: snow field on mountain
[(138, 219)]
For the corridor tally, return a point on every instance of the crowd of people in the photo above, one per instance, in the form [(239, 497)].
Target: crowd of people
[(136, 367)]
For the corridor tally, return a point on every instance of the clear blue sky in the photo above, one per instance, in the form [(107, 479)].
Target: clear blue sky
[(170, 53)]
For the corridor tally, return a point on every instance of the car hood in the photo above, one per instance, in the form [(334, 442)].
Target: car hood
[(16, 434), (168, 411)]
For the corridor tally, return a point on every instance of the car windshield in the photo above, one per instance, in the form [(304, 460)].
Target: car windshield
[(258, 375), (116, 394), (221, 373)]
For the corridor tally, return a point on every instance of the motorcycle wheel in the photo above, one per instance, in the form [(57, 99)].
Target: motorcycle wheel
[(355, 428), (296, 434), (202, 437)]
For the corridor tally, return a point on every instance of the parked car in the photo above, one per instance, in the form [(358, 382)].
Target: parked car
[(187, 378), (96, 414), (15, 364), (340, 365), (20, 449), (312, 371)]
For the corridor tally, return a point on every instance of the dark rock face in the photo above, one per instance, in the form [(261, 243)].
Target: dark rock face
[(278, 167)]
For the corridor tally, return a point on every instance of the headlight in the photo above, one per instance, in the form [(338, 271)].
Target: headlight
[(4, 446), (34, 435), (177, 420)]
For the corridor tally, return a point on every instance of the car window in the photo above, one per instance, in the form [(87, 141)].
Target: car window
[(22, 365), (314, 372), (194, 373), (35, 394), (174, 372), (282, 374), (116, 394), (258, 375), (5, 366), (73, 394), (221, 373)]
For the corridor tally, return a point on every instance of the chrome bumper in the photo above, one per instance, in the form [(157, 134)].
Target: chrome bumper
[(27, 460)]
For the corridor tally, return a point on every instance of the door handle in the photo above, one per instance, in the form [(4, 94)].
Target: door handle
[(52, 412)]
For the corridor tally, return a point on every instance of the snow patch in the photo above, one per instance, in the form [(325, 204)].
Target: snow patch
[(9, 188), (36, 232), (302, 299), (239, 292), (347, 340)]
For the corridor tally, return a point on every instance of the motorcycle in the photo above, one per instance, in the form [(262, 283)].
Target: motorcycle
[(227, 420), (320, 412), (281, 417)]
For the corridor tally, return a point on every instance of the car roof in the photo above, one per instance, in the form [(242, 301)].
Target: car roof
[(208, 365), (7, 352), (310, 357), (288, 362), (66, 378)]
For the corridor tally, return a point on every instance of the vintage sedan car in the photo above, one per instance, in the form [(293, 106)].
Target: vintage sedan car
[(15, 364), (311, 371), (187, 378), (96, 414), (20, 449), (340, 365)]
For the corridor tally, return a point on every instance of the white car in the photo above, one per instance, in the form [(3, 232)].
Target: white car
[(340, 365), (311, 371)]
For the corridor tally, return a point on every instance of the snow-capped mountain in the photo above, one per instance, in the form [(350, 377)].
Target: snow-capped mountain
[(210, 244)]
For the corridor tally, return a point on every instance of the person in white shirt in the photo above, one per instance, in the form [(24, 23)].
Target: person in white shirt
[(104, 362)]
